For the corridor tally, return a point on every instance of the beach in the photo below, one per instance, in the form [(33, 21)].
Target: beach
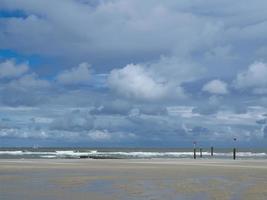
[(49, 179)]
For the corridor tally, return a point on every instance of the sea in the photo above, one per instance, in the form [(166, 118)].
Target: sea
[(127, 153)]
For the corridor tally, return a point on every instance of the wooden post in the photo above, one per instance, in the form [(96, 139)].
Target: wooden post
[(200, 150), (234, 153), (234, 150), (195, 156), (211, 151)]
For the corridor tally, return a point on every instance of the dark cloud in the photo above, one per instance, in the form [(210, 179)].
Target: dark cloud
[(18, 97), (199, 131), (265, 132), (239, 109), (261, 121), (206, 110), (198, 30), (112, 107), (76, 121), (153, 109)]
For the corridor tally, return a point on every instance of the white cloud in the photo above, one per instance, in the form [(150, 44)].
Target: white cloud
[(29, 81), (77, 75), (156, 80), (134, 81), (106, 135), (9, 69), (26, 134), (99, 135), (254, 77), (175, 70), (216, 87), (125, 27)]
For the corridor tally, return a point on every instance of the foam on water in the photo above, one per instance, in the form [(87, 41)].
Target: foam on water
[(48, 154), (123, 154)]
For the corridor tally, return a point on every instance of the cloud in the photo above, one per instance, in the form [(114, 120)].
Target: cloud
[(17, 97), (26, 90), (29, 81), (80, 31), (99, 135), (199, 131), (209, 107), (116, 107), (260, 91), (265, 132), (177, 48), (253, 77), (77, 75), (152, 110), (20, 86), (20, 133), (85, 31), (134, 81), (216, 87), (76, 121), (154, 81), (261, 121), (9, 69)]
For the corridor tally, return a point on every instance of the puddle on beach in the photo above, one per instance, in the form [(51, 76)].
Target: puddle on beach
[(141, 190), (83, 186), (190, 189)]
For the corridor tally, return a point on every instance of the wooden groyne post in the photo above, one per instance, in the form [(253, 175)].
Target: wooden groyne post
[(195, 156), (234, 149), (234, 153)]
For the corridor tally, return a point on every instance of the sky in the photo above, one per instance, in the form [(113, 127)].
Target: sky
[(133, 73)]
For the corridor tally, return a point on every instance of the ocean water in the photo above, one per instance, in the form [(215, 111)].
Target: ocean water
[(127, 153)]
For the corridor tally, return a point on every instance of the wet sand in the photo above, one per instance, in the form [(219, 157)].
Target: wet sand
[(155, 179)]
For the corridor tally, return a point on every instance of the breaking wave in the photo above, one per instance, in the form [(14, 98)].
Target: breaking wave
[(121, 154)]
